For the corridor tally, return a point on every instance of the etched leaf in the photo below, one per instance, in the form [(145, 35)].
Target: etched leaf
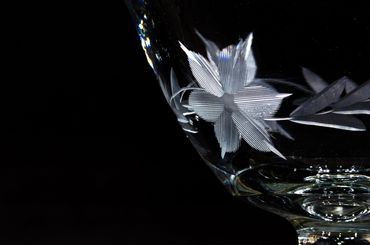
[(226, 133), (177, 108), (321, 100), (360, 94), (356, 109), (350, 86), (175, 88), (331, 120), (316, 83), (310, 112), (165, 90)]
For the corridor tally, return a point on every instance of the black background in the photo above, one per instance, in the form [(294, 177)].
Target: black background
[(83, 161)]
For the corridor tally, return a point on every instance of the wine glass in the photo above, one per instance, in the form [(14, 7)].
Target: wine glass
[(275, 97)]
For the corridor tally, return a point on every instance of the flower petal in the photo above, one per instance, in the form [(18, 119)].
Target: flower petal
[(274, 150), (251, 131), (207, 106), (251, 69), (226, 133), (204, 72), (259, 101), (237, 66), (249, 61), (212, 49), (226, 64), (254, 133)]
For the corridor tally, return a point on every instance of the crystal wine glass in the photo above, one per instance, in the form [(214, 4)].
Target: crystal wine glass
[(275, 97)]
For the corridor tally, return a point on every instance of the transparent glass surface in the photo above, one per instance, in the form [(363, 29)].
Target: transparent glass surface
[(275, 97)]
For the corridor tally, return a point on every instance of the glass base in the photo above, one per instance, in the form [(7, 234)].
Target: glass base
[(333, 236), (325, 209)]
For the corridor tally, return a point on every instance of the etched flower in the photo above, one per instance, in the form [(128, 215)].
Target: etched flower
[(230, 98)]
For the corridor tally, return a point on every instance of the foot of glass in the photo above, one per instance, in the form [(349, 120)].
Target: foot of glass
[(333, 236)]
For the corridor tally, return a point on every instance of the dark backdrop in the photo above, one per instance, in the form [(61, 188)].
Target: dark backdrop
[(85, 162)]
